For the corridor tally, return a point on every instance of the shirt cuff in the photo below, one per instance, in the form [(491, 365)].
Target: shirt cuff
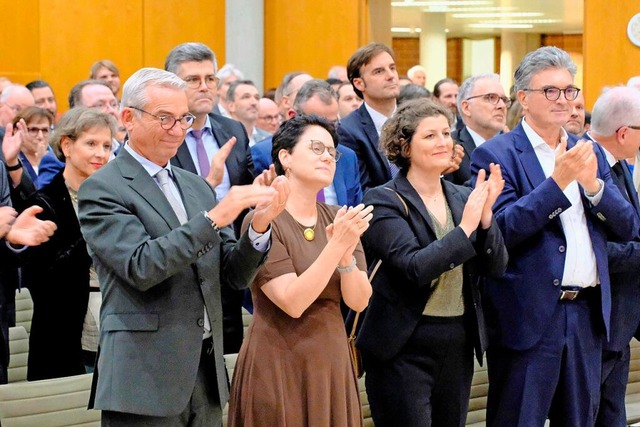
[(260, 241), (595, 199), (14, 249)]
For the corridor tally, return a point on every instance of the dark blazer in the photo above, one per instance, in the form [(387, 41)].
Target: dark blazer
[(358, 132), (345, 181), (520, 305), (412, 257), (463, 174), (157, 277), (239, 163), (624, 258), (57, 273)]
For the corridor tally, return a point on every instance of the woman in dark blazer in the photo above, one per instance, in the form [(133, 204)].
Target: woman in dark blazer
[(435, 240), (59, 271)]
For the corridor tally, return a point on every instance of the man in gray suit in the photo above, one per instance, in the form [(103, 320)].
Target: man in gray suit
[(162, 247)]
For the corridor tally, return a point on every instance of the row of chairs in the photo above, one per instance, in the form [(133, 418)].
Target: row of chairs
[(63, 401)]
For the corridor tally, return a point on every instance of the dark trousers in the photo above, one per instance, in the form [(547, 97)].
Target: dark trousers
[(558, 378), (203, 409), (428, 383), (615, 375)]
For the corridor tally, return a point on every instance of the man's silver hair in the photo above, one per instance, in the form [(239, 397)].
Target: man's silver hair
[(189, 52), (466, 89), (134, 92), (616, 107), (539, 60)]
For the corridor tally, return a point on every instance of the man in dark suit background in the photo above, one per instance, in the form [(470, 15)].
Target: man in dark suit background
[(163, 248), (196, 64), (549, 314), (616, 128), (483, 107), (372, 72), (317, 97)]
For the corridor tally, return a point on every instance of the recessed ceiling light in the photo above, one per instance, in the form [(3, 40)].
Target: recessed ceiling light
[(497, 15), (501, 25)]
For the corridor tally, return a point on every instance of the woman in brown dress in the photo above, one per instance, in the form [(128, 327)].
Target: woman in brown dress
[(294, 367)]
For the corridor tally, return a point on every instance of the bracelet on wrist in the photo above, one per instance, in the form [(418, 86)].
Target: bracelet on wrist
[(349, 268), (14, 167)]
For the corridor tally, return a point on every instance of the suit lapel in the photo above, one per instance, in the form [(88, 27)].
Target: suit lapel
[(455, 200), (466, 141), (411, 196), (183, 159), (527, 156), (628, 183), (372, 134), (143, 184), (222, 136)]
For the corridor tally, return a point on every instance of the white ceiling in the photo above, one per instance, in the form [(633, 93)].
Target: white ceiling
[(530, 16)]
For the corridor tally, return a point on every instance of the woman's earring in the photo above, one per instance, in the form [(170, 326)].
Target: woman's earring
[(287, 172)]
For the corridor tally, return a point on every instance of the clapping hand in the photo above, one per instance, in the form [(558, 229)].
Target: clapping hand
[(12, 142), (474, 207), (456, 159), (495, 185), (7, 218), (28, 230), (216, 173)]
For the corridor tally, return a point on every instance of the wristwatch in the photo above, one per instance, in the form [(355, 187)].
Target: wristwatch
[(14, 167), (212, 223), (349, 268)]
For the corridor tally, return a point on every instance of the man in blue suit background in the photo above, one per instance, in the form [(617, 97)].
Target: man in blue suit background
[(317, 97), (615, 126), (549, 314)]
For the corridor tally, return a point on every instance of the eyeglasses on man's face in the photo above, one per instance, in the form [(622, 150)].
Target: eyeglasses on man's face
[(552, 93), (194, 82), (270, 118), (493, 98), (319, 148), (168, 122)]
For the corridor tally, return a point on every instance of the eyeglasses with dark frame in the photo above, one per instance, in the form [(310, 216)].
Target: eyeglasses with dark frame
[(319, 148), (194, 82), (493, 98), (168, 122), (552, 93), (33, 131)]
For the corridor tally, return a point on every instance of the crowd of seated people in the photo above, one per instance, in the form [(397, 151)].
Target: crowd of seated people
[(505, 226)]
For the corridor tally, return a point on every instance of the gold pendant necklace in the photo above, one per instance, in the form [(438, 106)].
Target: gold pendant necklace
[(310, 232)]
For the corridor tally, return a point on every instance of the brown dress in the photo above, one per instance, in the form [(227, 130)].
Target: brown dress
[(296, 372)]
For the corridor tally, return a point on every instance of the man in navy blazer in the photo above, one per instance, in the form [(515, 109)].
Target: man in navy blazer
[(549, 314), (195, 63), (372, 72), (317, 97), (615, 115)]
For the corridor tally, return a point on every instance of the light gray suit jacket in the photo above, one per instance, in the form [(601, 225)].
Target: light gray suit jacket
[(156, 276)]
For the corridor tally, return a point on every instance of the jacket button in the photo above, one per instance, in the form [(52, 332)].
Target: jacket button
[(452, 266), (551, 216), (201, 322), (561, 249), (556, 282), (489, 251)]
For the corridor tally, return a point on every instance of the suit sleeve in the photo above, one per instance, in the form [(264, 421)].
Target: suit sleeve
[(520, 216), (117, 235), (400, 248)]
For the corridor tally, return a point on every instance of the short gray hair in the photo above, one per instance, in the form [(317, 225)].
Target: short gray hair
[(134, 92), (616, 107), (10, 89), (315, 87), (539, 60), (231, 93), (186, 52), (226, 71), (466, 89)]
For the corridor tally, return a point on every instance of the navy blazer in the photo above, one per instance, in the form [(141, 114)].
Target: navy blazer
[(624, 258), (412, 257), (358, 132), (520, 305), (48, 168), (345, 180)]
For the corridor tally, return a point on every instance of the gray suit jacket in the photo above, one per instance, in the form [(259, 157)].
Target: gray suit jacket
[(156, 276)]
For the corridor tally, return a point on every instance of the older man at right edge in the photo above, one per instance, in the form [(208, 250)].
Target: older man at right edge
[(549, 315)]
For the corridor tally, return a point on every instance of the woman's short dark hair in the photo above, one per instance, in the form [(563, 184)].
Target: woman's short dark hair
[(398, 131), (288, 134)]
